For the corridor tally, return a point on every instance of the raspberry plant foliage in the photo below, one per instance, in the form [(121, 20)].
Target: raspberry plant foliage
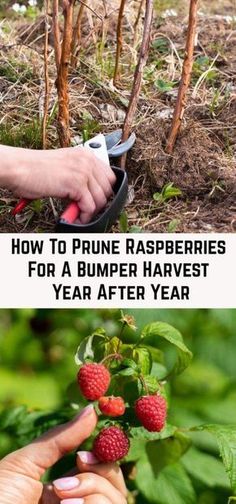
[(138, 375), (168, 467)]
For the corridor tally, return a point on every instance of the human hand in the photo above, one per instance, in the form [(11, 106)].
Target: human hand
[(21, 471), (73, 173)]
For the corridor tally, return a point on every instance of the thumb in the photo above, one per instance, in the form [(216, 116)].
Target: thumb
[(45, 451)]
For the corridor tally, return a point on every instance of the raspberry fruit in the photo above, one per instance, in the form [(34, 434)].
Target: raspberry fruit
[(94, 380), (111, 444), (112, 406), (151, 411)]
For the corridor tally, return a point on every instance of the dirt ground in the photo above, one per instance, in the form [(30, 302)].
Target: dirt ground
[(203, 164)]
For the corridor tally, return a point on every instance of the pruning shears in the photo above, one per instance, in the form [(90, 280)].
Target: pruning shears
[(106, 148)]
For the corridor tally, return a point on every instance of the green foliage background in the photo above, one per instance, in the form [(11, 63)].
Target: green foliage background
[(37, 350)]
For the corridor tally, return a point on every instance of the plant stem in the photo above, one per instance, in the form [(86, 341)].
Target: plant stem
[(141, 377), (46, 77), (76, 40), (137, 83), (56, 33), (119, 41), (62, 79), (115, 356), (185, 78)]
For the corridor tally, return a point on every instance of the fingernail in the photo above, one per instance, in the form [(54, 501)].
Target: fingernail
[(86, 411), (66, 483), (87, 457), (72, 501)]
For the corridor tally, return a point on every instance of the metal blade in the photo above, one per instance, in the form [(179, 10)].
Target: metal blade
[(123, 147), (113, 138)]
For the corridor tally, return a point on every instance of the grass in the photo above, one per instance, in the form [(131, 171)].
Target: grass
[(22, 135)]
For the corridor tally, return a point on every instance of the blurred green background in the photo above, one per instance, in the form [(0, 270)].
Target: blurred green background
[(37, 350)]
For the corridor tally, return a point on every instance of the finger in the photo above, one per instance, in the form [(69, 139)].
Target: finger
[(92, 499), (87, 462), (87, 207), (45, 451), (87, 484), (104, 182), (97, 193)]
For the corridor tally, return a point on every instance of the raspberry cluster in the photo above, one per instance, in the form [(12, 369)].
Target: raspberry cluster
[(112, 443)]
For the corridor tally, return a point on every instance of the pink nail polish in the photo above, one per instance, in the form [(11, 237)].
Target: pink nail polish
[(86, 411), (66, 483), (72, 501), (87, 457)]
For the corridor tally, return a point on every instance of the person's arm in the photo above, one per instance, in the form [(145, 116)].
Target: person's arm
[(72, 173), (22, 470)]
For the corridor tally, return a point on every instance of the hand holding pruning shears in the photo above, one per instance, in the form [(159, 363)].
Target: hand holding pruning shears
[(89, 187)]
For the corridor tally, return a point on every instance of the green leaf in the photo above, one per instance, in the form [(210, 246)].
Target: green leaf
[(163, 86), (169, 191), (205, 468), (86, 349), (113, 345), (12, 417), (139, 437), (151, 384), (167, 451), (172, 486), (226, 439), (159, 371), (127, 372), (123, 221), (143, 357), (174, 337)]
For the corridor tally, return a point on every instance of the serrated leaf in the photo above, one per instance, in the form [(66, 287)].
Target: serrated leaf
[(129, 363), (127, 372), (174, 337), (143, 357), (86, 349), (226, 439), (152, 385), (141, 433), (167, 451), (139, 437), (205, 468), (113, 345), (173, 486)]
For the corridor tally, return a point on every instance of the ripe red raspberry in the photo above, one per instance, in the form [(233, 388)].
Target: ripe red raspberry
[(94, 380), (111, 444), (112, 406), (151, 411)]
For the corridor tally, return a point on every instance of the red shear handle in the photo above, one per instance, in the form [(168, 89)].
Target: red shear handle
[(20, 206), (71, 213)]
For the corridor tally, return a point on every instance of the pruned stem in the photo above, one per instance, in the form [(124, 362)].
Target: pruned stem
[(137, 83), (119, 41), (62, 78), (136, 23), (76, 40), (185, 77), (46, 77), (56, 33)]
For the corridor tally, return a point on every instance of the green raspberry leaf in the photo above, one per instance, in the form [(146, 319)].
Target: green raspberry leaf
[(172, 336), (226, 439), (143, 357), (91, 348), (173, 485)]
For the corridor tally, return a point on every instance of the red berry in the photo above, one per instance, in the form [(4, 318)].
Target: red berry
[(112, 406), (111, 444), (151, 411), (94, 380)]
